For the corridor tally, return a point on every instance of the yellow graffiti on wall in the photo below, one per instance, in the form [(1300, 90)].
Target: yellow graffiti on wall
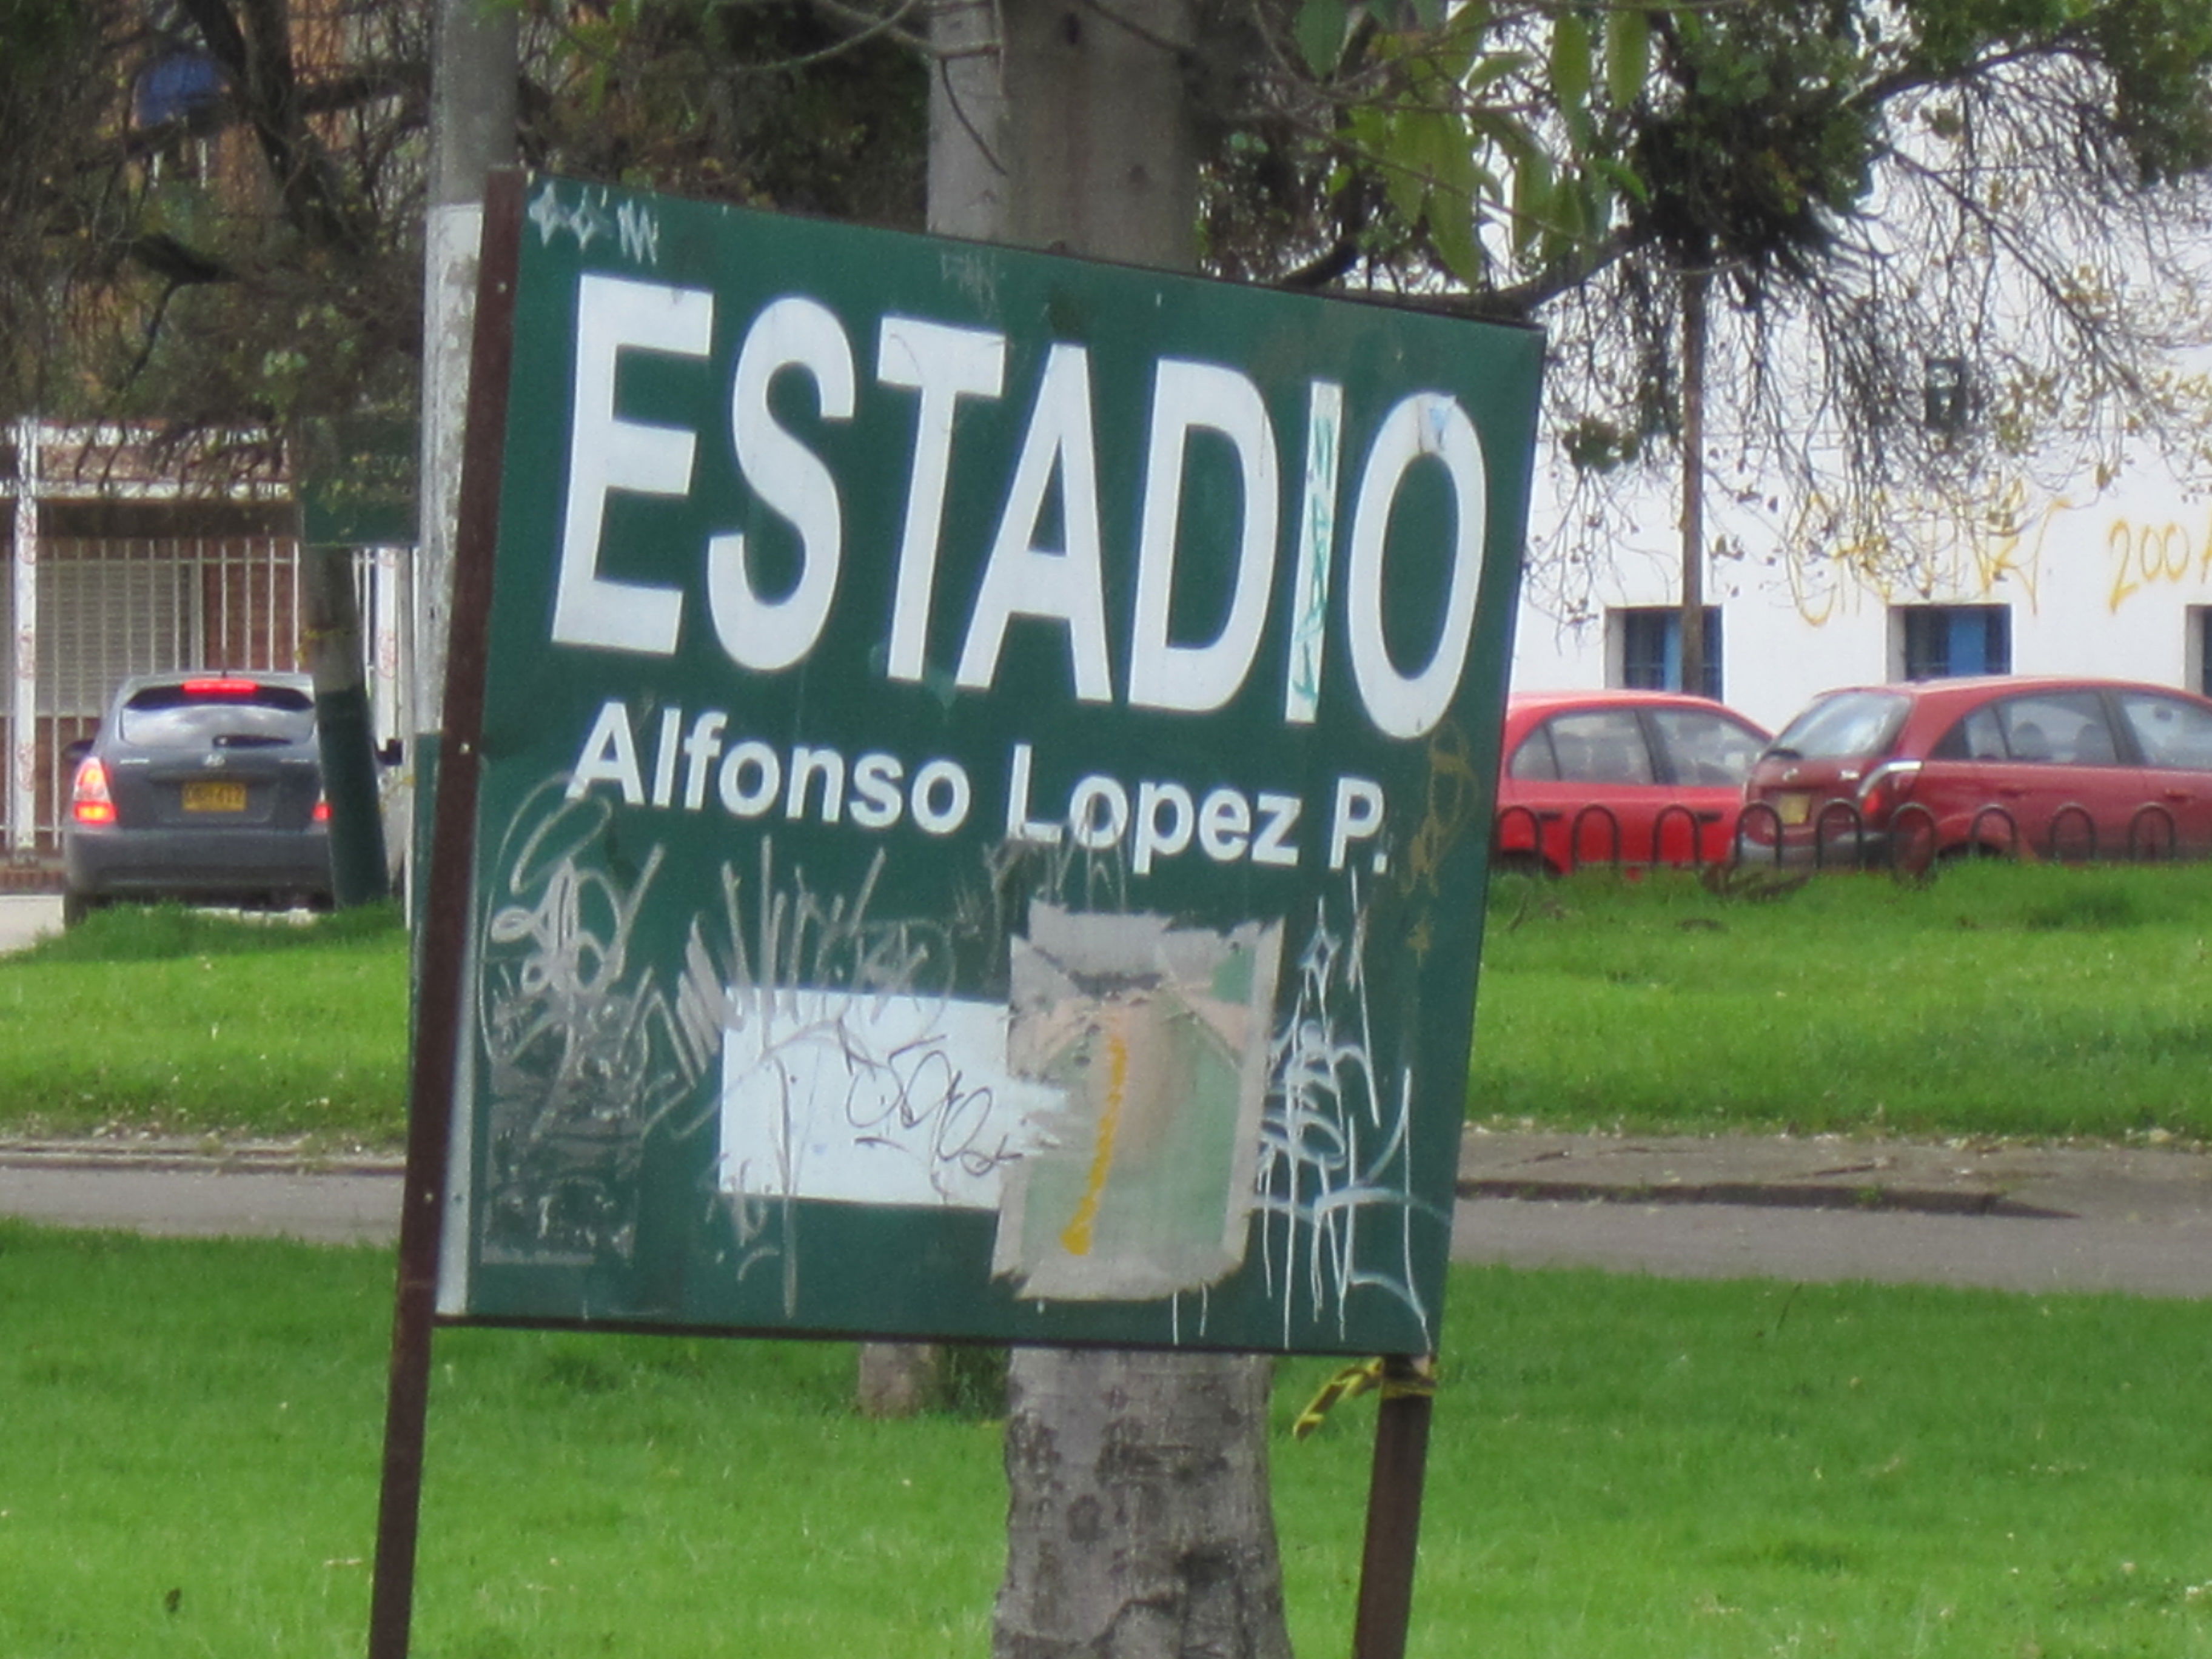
[(2151, 555), (1920, 548)]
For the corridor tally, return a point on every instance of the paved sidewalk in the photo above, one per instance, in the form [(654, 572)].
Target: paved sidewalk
[(2134, 1220), (24, 916), (2127, 1217), (181, 1155), (186, 1188)]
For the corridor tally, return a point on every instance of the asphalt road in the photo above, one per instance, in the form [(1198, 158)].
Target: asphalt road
[(2131, 1218), (178, 1201), (2148, 1238)]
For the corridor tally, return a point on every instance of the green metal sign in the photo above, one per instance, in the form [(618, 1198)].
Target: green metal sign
[(357, 485), (986, 776)]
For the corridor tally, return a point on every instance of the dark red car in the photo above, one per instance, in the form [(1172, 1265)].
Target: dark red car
[(2036, 767), (1619, 777)]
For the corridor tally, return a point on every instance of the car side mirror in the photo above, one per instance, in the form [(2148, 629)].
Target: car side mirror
[(391, 752)]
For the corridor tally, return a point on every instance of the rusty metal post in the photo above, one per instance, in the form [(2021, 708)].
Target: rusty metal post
[(441, 951), (1393, 1510)]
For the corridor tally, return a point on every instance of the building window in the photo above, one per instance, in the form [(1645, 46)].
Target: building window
[(1646, 648), (2198, 647), (180, 85), (177, 96), (1936, 642)]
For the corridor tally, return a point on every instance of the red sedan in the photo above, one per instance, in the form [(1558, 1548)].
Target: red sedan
[(1619, 777), (2040, 768)]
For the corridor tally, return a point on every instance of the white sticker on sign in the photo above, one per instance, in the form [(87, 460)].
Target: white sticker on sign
[(870, 1098)]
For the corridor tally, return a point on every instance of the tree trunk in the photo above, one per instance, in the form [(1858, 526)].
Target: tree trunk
[(900, 1379), (330, 612), (1139, 1524)]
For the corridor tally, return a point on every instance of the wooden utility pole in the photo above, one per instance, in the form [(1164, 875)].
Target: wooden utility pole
[(1697, 281)]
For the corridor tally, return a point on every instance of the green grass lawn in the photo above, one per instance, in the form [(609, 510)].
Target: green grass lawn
[(180, 1022), (1999, 1001), (2038, 1002), (1621, 1469)]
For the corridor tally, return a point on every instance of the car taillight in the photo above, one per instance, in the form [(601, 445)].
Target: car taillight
[(1887, 786), (322, 809), (90, 801)]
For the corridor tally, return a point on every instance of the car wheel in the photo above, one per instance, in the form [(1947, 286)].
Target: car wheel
[(75, 907)]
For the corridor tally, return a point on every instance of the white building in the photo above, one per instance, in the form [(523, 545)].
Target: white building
[(2117, 582)]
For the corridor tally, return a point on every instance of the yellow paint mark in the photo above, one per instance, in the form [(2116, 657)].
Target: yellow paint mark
[(1454, 796), (1889, 549), (1075, 1237), (2143, 554)]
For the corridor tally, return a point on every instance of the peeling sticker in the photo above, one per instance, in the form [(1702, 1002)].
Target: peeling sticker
[(1138, 1184)]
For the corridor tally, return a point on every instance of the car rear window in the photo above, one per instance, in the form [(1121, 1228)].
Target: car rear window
[(214, 713), (1845, 726)]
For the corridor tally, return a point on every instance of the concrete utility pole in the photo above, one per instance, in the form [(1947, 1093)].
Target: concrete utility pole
[(472, 115), (968, 196), (23, 651)]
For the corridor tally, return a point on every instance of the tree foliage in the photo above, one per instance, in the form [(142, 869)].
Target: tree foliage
[(2008, 195), (1881, 193), (210, 210), (2014, 187), (209, 207), (779, 104)]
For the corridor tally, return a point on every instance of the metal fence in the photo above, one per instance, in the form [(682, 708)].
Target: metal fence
[(107, 608), (1837, 837)]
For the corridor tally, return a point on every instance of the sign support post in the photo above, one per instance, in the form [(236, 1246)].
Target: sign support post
[(1393, 1510), (441, 951)]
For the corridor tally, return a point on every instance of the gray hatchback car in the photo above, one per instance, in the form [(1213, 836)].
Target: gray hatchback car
[(203, 788)]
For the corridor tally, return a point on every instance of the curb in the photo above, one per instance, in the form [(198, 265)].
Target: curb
[(1765, 1195), (159, 1156), (1955, 1178)]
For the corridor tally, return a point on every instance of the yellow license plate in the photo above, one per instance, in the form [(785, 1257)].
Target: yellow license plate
[(215, 795), (1793, 810)]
